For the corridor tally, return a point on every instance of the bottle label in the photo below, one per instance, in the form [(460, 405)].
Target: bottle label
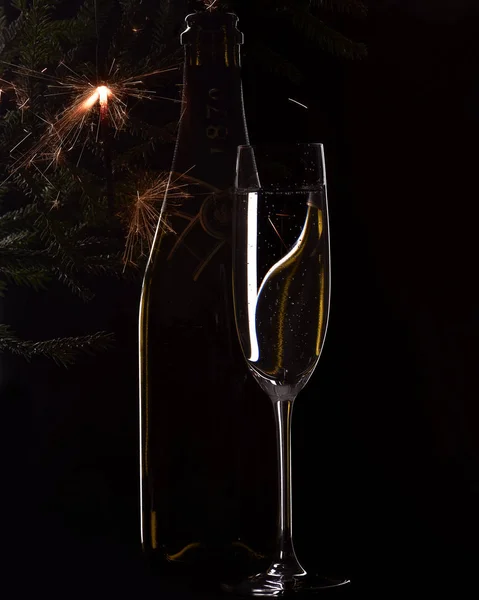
[(216, 129), (215, 212), (201, 223)]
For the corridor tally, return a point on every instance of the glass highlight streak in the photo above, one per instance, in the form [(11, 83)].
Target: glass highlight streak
[(252, 255), (294, 250), (252, 274)]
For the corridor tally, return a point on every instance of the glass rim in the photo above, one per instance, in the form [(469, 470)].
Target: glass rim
[(282, 145)]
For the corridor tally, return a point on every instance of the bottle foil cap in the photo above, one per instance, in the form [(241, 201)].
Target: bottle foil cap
[(205, 24)]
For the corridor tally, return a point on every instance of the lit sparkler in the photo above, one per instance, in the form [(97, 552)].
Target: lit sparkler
[(108, 101)]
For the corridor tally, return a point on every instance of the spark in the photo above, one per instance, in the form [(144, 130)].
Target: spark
[(210, 4), (296, 102), (20, 94), (55, 203), (144, 213), (21, 141), (277, 232)]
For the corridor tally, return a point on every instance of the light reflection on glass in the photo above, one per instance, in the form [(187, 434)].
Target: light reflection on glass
[(252, 272)]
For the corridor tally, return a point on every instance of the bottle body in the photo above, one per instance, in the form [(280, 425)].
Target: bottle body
[(200, 418)]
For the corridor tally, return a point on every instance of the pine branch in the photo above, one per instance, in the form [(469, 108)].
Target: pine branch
[(34, 258), (272, 61), (147, 131), (63, 351), (17, 239), (52, 236), (20, 5), (11, 132), (326, 37), (104, 264), (3, 287), (8, 34), (39, 44), (90, 19), (74, 285), (351, 7), (68, 249), (16, 271), (15, 217), (162, 25), (28, 184)]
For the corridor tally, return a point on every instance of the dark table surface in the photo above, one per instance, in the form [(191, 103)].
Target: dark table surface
[(50, 563)]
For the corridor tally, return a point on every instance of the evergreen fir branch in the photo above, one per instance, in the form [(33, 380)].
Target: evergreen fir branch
[(127, 32), (51, 236), (129, 10), (67, 246), (146, 131), (138, 154), (271, 61), (88, 190), (10, 127), (64, 351), (162, 25), (33, 258), (104, 264), (20, 5), (39, 45), (90, 241), (91, 17), (28, 184), (17, 239), (33, 276), (351, 7), (326, 37), (74, 285), (3, 192), (83, 253), (75, 230), (8, 34), (18, 215), (36, 269), (3, 287), (6, 335), (128, 6)]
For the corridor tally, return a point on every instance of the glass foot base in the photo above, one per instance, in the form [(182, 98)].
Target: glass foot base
[(264, 584)]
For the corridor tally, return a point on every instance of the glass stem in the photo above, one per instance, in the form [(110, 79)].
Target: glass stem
[(285, 551)]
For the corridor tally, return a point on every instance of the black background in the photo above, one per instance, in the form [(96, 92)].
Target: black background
[(394, 443)]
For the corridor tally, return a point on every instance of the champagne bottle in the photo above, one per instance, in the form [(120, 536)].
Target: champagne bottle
[(205, 427)]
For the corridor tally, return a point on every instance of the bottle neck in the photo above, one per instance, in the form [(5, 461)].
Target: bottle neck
[(212, 124), (213, 47), (212, 39)]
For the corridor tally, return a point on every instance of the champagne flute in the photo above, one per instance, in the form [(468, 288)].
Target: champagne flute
[(281, 290)]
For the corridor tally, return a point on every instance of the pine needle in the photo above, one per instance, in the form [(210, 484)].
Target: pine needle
[(63, 351)]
